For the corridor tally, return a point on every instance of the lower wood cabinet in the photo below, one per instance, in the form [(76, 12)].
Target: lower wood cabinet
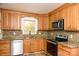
[(34, 45), (63, 53), (66, 51), (4, 47), (27, 46)]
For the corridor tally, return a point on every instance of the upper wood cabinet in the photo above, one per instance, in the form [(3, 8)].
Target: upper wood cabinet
[(76, 7), (0, 18), (44, 22), (70, 14), (10, 20), (15, 21), (69, 17), (52, 17), (5, 20)]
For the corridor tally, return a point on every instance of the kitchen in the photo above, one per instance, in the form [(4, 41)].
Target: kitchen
[(39, 34)]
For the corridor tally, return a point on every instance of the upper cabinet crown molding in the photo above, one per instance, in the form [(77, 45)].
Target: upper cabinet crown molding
[(61, 8)]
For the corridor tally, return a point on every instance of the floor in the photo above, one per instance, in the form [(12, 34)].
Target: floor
[(37, 54)]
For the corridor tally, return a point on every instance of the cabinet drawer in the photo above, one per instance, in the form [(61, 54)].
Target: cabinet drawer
[(7, 54), (4, 53), (4, 46), (4, 42), (4, 50)]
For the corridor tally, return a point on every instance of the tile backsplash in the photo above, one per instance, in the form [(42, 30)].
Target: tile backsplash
[(72, 36), (7, 33)]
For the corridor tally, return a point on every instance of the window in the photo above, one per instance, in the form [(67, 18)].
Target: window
[(29, 25)]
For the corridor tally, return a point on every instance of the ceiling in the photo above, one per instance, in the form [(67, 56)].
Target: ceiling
[(40, 8)]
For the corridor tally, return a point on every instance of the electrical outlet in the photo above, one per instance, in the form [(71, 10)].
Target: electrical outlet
[(71, 36), (40, 33)]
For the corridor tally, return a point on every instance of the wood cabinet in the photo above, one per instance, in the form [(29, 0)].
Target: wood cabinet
[(66, 51), (15, 21), (34, 45), (76, 7), (68, 12), (27, 46), (5, 20), (43, 45), (44, 22), (4, 47), (69, 17), (10, 20), (52, 18), (0, 18), (38, 45)]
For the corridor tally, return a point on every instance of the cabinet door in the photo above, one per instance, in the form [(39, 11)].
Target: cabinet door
[(40, 22), (38, 45), (15, 21), (76, 7), (10, 20), (27, 46), (5, 20), (42, 45), (43, 22), (69, 18), (5, 48), (0, 18), (63, 50), (52, 18), (35, 45), (56, 15), (66, 51)]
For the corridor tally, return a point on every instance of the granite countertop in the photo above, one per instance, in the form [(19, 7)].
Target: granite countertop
[(34, 37), (21, 37), (70, 44)]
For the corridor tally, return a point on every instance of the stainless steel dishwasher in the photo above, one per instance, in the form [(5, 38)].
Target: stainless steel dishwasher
[(16, 47)]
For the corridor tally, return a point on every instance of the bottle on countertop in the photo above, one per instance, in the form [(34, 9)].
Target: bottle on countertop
[(29, 33)]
